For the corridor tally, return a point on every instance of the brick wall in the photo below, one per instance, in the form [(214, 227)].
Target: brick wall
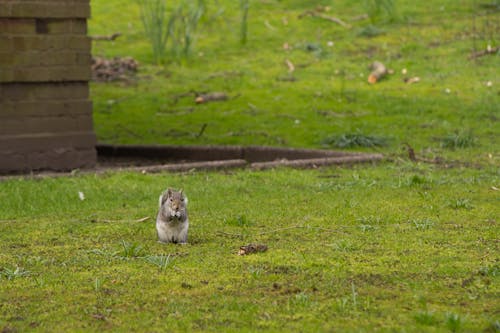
[(45, 111)]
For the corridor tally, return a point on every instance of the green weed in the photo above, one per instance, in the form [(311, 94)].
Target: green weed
[(157, 26), (351, 140), (461, 203), (422, 224), (131, 250), (186, 20), (427, 318), (161, 261), (98, 284), (371, 31), (492, 270), (11, 274), (244, 7), (381, 9), (454, 322), (238, 221), (458, 140), (179, 26)]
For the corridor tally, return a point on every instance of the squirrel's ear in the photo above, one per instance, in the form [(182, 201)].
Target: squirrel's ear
[(169, 192), (180, 191), (162, 199)]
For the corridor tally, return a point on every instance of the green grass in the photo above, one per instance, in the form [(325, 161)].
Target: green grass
[(451, 112), (350, 249), (394, 247)]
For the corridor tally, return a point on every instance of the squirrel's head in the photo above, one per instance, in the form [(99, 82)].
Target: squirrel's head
[(174, 202)]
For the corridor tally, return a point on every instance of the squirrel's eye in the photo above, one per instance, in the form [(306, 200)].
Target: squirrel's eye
[(182, 199)]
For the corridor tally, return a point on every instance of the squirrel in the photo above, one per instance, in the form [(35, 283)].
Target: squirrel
[(172, 221)]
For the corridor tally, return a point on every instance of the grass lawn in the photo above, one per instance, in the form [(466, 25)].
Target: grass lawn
[(397, 246)]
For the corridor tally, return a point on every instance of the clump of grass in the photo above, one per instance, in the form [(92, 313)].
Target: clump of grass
[(239, 221), (11, 274), (156, 25), (179, 26), (461, 204), (357, 139), (301, 299), (369, 220), (343, 246), (454, 322), (492, 271), (161, 261), (422, 224), (371, 31), (367, 227), (493, 327), (98, 284), (185, 24), (131, 250), (416, 180), (381, 9), (244, 6), (458, 140), (427, 318)]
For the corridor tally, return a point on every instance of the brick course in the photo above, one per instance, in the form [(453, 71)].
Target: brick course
[(45, 111)]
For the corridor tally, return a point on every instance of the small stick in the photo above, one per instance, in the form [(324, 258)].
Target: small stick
[(110, 37), (359, 17), (411, 152), (324, 17), (290, 65), (200, 133), (215, 96), (489, 50)]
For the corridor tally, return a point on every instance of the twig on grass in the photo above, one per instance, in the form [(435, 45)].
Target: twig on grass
[(106, 37), (324, 17), (200, 133), (413, 157), (210, 97), (360, 17), (489, 50)]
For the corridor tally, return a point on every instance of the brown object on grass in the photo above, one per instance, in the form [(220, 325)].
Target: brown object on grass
[(105, 70), (252, 248), (489, 50), (210, 97), (411, 80), (110, 37), (378, 72), (315, 13)]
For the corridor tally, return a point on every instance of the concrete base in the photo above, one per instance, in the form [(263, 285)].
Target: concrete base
[(182, 158)]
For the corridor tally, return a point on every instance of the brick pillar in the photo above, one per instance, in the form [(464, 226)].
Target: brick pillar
[(45, 111)]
